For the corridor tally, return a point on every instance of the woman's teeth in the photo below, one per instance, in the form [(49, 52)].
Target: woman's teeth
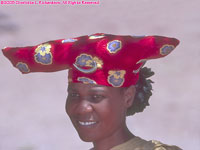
[(86, 123)]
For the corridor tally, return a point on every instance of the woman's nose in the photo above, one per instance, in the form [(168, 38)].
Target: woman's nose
[(85, 107)]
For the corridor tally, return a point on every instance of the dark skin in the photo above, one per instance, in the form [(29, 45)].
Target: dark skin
[(99, 113)]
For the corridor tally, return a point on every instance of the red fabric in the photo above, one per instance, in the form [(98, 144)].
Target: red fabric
[(114, 52)]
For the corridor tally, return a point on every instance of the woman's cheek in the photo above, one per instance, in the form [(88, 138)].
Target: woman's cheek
[(70, 106)]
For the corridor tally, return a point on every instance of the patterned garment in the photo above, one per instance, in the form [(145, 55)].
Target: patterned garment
[(137, 143)]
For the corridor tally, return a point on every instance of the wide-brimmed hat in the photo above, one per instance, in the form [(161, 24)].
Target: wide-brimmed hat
[(104, 59)]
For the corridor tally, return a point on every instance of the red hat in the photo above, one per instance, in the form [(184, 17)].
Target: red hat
[(104, 59)]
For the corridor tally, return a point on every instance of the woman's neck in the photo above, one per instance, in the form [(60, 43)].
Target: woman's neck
[(120, 136)]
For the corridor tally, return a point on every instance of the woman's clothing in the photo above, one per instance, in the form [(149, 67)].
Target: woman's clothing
[(137, 143)]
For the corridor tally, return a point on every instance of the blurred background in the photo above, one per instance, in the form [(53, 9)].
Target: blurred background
[(32, 114)]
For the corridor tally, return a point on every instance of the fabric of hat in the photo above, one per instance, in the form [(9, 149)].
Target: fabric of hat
[(104, 59)]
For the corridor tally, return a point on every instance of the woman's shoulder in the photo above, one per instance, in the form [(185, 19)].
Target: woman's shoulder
[(160, 146), (138, 143)]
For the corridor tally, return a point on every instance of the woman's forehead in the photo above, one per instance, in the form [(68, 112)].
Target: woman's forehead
[(82, 86)]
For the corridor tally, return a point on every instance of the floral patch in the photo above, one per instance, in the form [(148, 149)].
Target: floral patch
[(43, 54), (116, 78), (166, 49), (114, 46), (23, 67), (91, 63), (69, 40), (85, 60), (86, 80)]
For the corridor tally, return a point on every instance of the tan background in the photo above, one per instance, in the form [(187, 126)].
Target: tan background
[(32, 115)]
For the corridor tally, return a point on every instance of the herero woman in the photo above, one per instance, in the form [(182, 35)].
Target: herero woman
[(106, 82)]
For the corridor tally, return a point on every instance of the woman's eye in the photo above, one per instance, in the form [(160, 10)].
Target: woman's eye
[(97, 98)]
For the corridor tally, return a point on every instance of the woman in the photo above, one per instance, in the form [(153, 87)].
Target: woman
[(106, 82)]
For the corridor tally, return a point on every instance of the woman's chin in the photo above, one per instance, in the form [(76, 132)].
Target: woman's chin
[(86, 138)]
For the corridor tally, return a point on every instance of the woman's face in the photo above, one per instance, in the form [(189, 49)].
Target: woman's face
[(96, 111)]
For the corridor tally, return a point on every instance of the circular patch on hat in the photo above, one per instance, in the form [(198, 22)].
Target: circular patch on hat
[(45, 60), (87, 64), (116, 78), (166, 49), (114, 46), (43, 54), (86, 80), (23, 67), (69, 40)]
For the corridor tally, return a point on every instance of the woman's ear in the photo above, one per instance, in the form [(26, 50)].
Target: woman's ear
[(129, 95)]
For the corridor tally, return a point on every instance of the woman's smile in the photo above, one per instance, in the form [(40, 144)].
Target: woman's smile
[(87, 123)]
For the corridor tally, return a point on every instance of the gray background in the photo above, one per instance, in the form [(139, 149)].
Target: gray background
[(32, 115)]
